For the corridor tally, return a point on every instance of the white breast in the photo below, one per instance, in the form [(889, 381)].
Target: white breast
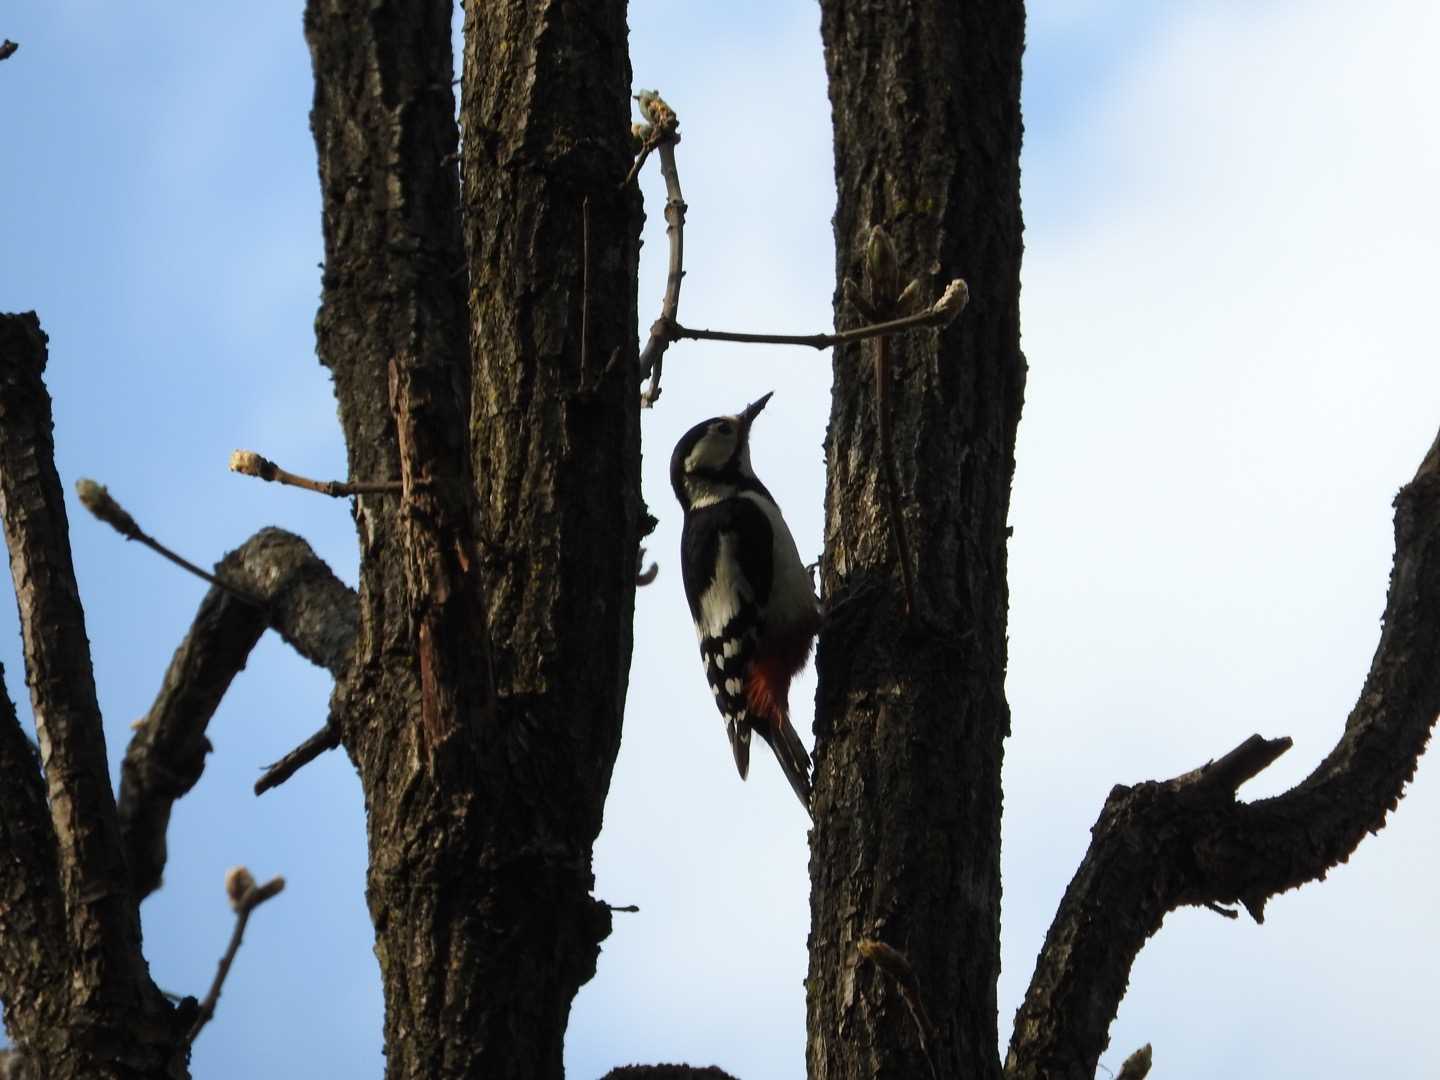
[(792, 597)]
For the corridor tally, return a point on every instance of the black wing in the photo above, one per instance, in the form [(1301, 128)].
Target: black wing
[(725, 559)]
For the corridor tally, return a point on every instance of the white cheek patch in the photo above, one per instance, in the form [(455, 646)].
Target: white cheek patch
[(711, 452)]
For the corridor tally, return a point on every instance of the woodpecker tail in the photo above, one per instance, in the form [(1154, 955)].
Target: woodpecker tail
[(739, 732), (790, 753)]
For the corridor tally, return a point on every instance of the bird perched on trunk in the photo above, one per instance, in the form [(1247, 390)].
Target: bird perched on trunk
[(754, 608)]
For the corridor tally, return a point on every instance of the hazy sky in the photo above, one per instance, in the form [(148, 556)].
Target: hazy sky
[(1228, 294)]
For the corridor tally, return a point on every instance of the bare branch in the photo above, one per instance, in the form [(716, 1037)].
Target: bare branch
[(245, 897), (97, 499), (665, 328), (302, 600), (327, 738), (103, 922), (249, 463), (941, 313), (1187, 841)]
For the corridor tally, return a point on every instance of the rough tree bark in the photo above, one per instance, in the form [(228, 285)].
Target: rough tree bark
[(76, 988), (911, 710), (483, 709), (481, 669)]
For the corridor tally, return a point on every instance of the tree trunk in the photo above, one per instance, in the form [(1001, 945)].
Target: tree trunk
[(77, 992), (911, 709), (496, 594)]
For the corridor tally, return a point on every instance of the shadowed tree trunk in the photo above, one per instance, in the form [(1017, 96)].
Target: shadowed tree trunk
[(481, 669), (496, 593), (911, 710)]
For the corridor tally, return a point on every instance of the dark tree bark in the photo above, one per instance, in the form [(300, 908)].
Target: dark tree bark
[(483, 709), (911, 710), (481, 668), (76, 989), (1157, 846), (303, 602)]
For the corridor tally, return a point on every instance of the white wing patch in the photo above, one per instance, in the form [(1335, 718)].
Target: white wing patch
[(727, 593)]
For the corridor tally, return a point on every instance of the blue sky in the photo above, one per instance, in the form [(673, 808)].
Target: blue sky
[(1230, 249)]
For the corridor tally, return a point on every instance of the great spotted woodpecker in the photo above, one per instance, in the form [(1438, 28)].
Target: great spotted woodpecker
[(754, 607)]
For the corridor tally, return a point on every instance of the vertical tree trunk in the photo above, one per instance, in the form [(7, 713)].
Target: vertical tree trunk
[(77, 992), (497, 591), (911, 712)]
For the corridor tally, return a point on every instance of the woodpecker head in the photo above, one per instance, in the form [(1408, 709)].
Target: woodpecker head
[(712, 460)]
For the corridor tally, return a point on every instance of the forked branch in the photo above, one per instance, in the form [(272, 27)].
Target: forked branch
[(302, 600), (1188, 841), (662, 134)]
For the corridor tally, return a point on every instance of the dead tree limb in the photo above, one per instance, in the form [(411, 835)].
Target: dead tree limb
[(1188, 841), (302, 600)]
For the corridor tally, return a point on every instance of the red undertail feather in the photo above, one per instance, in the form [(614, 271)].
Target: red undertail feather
[(767, 693)]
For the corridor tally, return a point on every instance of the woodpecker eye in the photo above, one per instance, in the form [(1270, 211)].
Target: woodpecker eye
[(725, 428)]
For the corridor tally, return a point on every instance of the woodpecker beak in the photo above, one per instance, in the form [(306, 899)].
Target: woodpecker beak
[(747, 416)]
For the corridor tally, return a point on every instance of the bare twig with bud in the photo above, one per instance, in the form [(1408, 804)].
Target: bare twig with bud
[(245, 896), (97, 499), (662, 132), (249, 463), (940, 313)]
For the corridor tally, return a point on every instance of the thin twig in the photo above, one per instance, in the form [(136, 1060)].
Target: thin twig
[(645, 148), (249, 463), (938, 314), (665, 329), (894, 963), (95, 498), (327, 738), (244, 900)]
